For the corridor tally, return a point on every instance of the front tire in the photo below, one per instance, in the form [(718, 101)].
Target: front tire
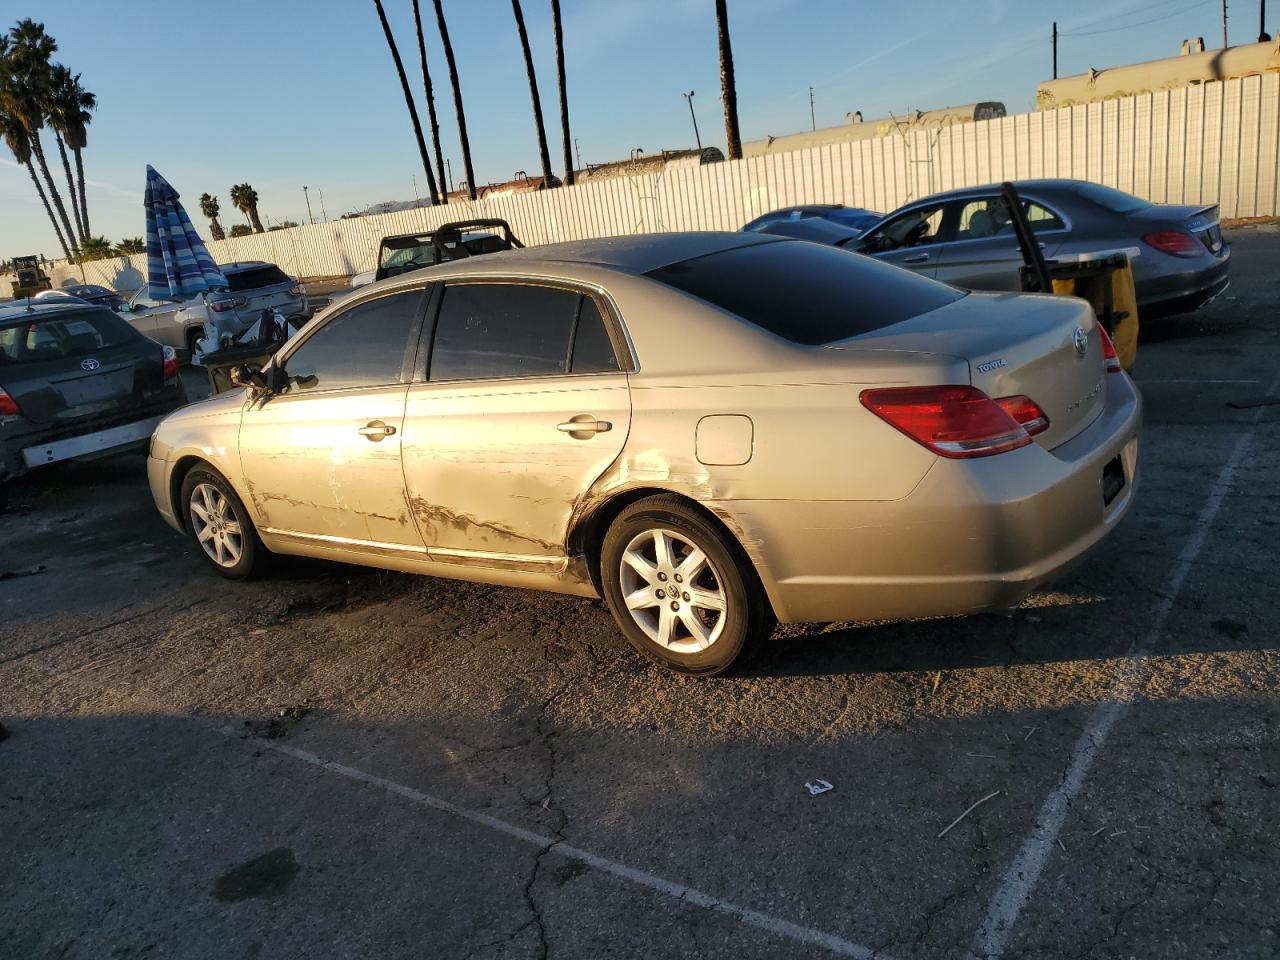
[(219, 524), (682, 591)]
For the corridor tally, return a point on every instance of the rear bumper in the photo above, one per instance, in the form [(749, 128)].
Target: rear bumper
[(974, 535), (1164, 296)]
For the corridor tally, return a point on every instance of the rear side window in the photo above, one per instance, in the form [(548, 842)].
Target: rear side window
[(493, 330), (361, 347), (1114, 200), (255, 277), (805, 292), (37, 339)]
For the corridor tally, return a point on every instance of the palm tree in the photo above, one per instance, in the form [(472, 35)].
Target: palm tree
[(245, 199), (30, 50), (728, 90), (68, 114), (210, 208), (457, 99), (408, 97), (443, 196), (564, 96), (96, 248), (14, 133), (131, 245), (543, 156)]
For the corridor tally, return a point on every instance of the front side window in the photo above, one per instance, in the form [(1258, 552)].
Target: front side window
[(492, 330), (915, 228), (361, 347)]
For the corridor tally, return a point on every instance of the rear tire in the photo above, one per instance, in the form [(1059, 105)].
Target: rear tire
[(683, 593), (219, 524)]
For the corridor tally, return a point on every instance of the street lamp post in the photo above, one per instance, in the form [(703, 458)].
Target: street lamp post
[(689, 99), (310, 218)]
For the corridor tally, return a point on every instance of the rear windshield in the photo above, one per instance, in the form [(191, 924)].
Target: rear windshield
[(256, 277), (37, 339), (808, 293), (1114, 200)]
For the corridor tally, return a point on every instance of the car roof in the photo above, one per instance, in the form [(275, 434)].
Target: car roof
[(42, 308), (1057, 185), (635, 253)]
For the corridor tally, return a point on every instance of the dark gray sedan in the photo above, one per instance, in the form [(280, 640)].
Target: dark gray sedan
[(965, 238), (76, 382)]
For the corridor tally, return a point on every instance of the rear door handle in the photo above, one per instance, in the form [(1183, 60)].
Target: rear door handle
[(375, 430), (583, 423), (918, 258)]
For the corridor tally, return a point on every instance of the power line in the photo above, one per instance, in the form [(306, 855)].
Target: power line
[(1140, 23)]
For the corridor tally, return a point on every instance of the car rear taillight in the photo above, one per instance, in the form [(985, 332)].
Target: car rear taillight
[(1109, 356), (7, 404), (953, 421), (1175, 243), (1027, 412), (221, 306), (170, 363)]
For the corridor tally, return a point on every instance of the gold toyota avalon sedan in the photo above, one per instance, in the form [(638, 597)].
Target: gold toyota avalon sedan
[(711, 431)]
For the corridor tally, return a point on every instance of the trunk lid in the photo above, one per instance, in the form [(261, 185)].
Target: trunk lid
[(1016, 344), (79, 366), (1202, 222)]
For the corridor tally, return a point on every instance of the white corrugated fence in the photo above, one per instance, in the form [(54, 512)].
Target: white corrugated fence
[(1215, 142)]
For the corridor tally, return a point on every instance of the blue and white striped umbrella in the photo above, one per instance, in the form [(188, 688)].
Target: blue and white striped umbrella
[(178, 264)]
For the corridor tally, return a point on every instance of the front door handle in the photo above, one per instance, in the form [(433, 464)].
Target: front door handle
[(918, 258), (583, 426), (375, 430)]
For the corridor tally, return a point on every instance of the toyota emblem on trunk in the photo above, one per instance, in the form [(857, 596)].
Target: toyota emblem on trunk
[(1081, 340), (89, 364)]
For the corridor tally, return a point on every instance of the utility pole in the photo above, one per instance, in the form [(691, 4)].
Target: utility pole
[(689, 99), (449, 167), (1055, 49), (323, 213), (1263, 36), (813, 124), (310, 218), (577, 152), (1224, 24)]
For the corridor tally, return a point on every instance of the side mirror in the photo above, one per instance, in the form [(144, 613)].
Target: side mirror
[(245, 375)]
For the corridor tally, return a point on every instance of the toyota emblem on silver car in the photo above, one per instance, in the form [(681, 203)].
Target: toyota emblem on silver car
[(1081, 340), (89, 364)]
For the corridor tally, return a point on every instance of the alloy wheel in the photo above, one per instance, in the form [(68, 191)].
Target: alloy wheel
[(217, 529), (673, 591)]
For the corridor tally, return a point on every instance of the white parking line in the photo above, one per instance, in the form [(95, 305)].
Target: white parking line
[(1021, 877), (782, 928)]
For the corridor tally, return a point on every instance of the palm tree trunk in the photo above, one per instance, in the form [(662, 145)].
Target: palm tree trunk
[(457, 99), (38, 150), (543, 156), (71, 187), (253, 219), (84, 204), (564, 95), (49, 210), (443, 195), (215, 228), (728, 90), (408, 97)]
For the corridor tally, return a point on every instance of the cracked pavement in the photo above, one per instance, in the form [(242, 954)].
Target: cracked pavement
[(125, 806)]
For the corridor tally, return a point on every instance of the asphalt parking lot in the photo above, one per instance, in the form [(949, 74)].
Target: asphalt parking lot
[(341, 762)]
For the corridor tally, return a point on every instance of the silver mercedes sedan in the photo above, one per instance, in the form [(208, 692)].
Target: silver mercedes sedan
[(711, 431)]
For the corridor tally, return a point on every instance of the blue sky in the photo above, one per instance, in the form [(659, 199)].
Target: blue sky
[(282, 93)]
